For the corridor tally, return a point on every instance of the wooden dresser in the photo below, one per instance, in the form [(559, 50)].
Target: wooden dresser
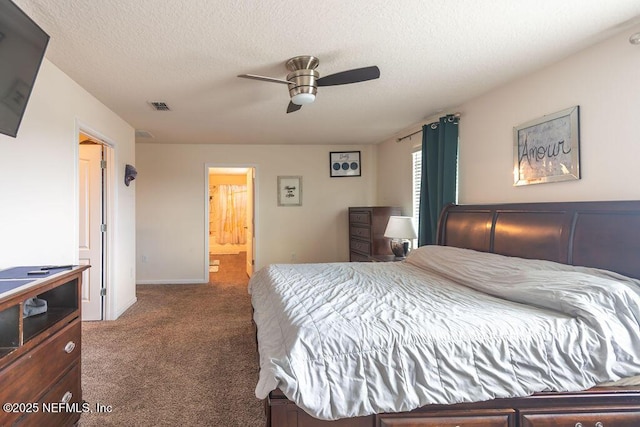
[(366, 231), (40, 355)]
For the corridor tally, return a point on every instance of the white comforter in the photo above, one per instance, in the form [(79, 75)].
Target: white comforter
[(447, 325)]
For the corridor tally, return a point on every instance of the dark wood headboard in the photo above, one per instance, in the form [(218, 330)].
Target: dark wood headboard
[(593, 234)]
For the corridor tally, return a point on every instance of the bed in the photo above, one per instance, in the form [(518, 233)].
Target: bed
[(370, 344)]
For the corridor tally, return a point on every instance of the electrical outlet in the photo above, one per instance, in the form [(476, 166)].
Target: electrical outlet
[(293, 256)]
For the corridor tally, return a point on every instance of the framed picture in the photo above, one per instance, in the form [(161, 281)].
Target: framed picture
[(289, 191), (344, 163), (547, 149)]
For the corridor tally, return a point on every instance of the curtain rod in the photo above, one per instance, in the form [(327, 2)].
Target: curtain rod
[(409, 136), (456, 115)]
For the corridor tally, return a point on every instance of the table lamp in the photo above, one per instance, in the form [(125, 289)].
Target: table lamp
[(401, 231)]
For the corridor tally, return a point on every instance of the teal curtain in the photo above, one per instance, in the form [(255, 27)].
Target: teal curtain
[(439, 174)]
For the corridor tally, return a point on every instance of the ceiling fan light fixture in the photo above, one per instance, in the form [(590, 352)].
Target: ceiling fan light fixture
[(303, 98), (303, 80)]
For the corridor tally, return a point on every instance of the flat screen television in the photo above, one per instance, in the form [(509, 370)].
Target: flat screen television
[(22, 47)]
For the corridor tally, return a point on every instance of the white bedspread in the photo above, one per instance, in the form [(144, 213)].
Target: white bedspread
[(447, 325)]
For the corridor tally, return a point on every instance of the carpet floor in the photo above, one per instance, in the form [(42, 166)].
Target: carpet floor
[(183, 355)]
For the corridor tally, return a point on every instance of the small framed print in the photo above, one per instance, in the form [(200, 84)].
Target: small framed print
[(289, 191), (344, 163)]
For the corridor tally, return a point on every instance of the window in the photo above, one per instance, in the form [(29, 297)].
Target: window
[(417, 180)]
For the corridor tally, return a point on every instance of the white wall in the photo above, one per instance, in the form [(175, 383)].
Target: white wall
[(39, 182), (602, 80), (395, 171), (171, 195)]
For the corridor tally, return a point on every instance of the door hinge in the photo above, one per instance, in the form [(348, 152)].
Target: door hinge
[(103, 227), (103, 164), (253, 262), (103, 292)]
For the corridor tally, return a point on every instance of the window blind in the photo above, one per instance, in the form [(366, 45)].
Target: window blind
[(417, 178)]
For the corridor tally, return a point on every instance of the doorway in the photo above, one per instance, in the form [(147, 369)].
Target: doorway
[(230, 220), (92, 243)]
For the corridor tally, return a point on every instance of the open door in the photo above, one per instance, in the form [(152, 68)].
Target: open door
[(91, 242), (250, 220)]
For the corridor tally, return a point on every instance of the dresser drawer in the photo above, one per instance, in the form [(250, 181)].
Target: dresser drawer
[(26, 378), (360, 217), (50, 413), (471, 420), (356, 257), (586, 419), (361, 246), (361, 232)]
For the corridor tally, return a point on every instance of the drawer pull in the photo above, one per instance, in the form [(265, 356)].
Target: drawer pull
[(67, 397), (599, 424), (69, 347), (579, 424)]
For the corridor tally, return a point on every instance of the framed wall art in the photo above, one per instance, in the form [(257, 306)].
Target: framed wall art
[(344, 163), (547, 149), (289, 191)]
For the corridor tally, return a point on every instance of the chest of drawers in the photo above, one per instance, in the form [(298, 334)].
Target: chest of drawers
[(40, 355), (366, 231)]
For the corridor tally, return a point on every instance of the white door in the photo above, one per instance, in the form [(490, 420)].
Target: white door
[(250, 221), (90, 237)]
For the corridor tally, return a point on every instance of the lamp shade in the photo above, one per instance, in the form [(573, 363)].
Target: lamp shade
[(400, 227)]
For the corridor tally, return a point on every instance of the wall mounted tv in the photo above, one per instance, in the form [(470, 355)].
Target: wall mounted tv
[(22, 47)]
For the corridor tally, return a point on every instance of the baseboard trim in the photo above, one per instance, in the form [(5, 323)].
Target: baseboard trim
[(172, 282), (126, 307)]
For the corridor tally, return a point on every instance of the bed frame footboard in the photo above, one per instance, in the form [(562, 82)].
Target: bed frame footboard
[(618, 407)]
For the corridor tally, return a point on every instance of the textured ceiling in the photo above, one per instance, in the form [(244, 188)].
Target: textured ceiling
[(433, 55)]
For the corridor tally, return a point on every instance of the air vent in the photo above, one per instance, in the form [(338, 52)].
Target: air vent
[(160, 106), (143, 134)]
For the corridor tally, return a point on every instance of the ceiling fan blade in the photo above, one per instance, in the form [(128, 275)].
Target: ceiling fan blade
[(350, 76), (263, 78), (293, 107)]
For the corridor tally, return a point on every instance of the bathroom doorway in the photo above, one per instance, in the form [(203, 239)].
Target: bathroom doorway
[(231, 218)]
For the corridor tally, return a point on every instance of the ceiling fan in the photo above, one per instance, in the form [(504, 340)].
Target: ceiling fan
[(303, 80)]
